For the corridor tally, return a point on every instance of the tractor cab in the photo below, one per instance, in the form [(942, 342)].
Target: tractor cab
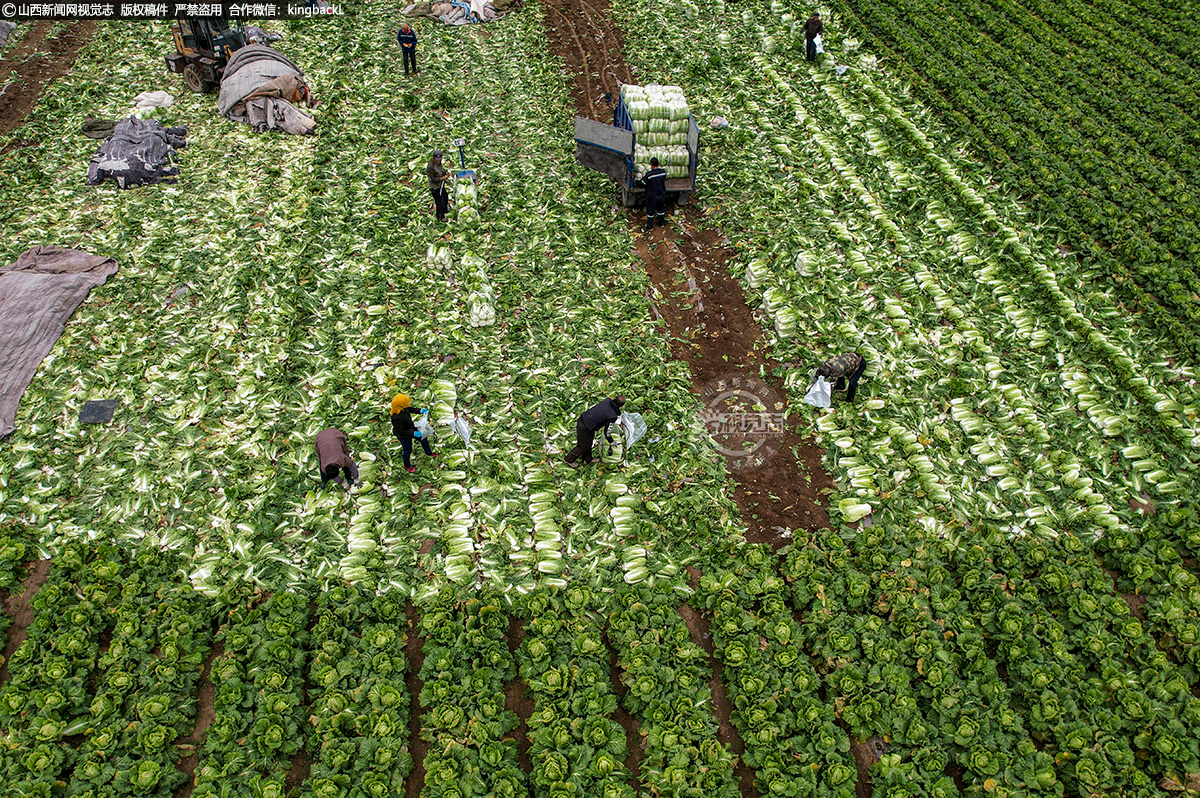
[(202, 49)]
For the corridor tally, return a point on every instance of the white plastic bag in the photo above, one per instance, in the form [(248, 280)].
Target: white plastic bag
[(462, 428), (425, 428), (634, 426), (819, 394), (817, 42)]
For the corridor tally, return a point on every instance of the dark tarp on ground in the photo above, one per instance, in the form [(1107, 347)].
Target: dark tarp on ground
[(138, 153), (6, 28), (259, 88), (38, 293)]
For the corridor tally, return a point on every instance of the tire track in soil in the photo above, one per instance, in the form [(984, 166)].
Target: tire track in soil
[(413, 645), (205, 715), (634, 742), (17, 606), (515, 699), (712, 328), (37, 61), (582, 34), (699, 629)]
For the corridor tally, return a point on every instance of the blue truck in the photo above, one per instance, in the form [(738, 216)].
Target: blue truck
[(609, 149)]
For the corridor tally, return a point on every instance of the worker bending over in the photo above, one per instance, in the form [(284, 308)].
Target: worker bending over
[(334, 458), (598, 416), (837, 370)]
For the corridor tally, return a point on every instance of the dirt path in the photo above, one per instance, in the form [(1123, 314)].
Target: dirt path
[(417, 747), (712, 328), (634, 740), (698, 626), (34, 62), (515, 700), (205, 715), (581, 32), (17, 606)]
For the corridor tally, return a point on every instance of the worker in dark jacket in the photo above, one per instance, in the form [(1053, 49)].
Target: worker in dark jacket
[(438, 175), (838, 370), (598, 416), (407, 38), (404, 428), (334, 458), (812, 29), (655, 183)]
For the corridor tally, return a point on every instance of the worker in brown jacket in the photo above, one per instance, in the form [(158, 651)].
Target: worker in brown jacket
[(334, 456), (812, 29), (437, 175)]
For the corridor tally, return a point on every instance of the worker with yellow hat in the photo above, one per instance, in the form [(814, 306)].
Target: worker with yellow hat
[(404, 428)]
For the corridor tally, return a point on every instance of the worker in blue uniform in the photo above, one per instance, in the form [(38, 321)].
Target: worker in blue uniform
[(655, 183)]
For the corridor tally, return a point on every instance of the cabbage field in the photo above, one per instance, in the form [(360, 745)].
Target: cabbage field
[(1005, 601)]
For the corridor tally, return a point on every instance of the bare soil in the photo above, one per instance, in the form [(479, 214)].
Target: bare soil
[(715, 332), (33, 63), (582, 33), (864, 757), (301, 764), (205, 715), (699, 628), (635, 741), (17, 606), (515, 699), (711, 326), (416, 746)]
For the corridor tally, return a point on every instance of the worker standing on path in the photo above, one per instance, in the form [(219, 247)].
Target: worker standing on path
[(438, 175), (598, 416), (405, 429), (812, 29), (655, 183), (838, 370), (333, 455), (407, 38)]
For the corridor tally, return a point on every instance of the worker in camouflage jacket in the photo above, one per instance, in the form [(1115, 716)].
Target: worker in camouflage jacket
[(599, 416), (844, 372)]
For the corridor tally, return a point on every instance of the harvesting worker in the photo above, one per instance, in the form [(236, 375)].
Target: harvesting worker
[(333, 456), (599, 416), (404, 428), (812, 29), (407, 38), (844, 372), (438, 175), (655, 183)]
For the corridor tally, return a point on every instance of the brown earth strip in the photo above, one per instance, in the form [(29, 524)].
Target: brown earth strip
[(301, 764), (699, 628), (714, 330), (17, 606), (205, 715), (711, 326), (35, 62), (416, 746), (515, 700), (635, 742), (864, 757), (583, 35)]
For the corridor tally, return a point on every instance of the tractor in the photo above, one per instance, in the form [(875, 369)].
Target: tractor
[(202, 49)]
